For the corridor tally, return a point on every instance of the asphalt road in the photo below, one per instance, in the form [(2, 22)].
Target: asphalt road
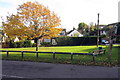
[(24, 69)]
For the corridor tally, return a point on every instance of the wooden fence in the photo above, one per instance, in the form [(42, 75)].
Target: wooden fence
[(54, 53)]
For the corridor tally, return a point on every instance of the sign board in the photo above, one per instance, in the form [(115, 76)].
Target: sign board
[(47, 40)]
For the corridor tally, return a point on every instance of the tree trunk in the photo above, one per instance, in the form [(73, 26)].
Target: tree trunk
[(111, 44), (110, 49), (37, 44)]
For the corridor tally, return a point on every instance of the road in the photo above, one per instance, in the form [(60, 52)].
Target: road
[(25, 69)]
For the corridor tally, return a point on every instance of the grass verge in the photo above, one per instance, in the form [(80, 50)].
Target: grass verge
[(100, 60)]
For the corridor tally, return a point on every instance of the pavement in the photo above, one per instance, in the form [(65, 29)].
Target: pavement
[(25, 69)]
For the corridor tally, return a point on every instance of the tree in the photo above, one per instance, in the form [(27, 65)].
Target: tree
[(110, 30), (92, 26), (83, 28), (93, 29), (13, 27), (34, 21)]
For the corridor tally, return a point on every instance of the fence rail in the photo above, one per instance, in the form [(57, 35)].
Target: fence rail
[(37, 52)]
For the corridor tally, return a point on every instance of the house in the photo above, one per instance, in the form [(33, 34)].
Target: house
[(114, 31), (116, 27), (101, 30), (3, 36), (74, 33), (63, 32), (16, 39)]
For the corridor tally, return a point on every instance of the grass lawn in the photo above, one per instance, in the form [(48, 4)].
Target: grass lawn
[(65, 58)]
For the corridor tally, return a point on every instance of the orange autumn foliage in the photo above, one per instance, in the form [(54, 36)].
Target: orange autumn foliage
[(14, 27), (40, 20), (33, 20)]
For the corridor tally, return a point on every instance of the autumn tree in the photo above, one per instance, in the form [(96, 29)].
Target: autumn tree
[(35, 21), (13, 27)]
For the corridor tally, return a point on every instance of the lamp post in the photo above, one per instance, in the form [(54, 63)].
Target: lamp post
[(98, 30)]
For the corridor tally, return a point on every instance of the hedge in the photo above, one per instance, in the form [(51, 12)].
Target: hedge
[(46, 44), (11, 44), (76, 41)]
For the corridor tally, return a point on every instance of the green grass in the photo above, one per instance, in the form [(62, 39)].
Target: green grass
[(64, 58), (76, 49)]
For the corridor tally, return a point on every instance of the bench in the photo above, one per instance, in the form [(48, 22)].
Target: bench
[(97, 52)]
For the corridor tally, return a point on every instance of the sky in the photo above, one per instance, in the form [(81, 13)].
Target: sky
[(71, 12)]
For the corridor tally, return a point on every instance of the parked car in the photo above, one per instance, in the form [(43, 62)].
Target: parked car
[(105, 42)]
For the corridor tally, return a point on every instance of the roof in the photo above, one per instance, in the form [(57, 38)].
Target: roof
[(70, 31), (117, 23), (118, 27)]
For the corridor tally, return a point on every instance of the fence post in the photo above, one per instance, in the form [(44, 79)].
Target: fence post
[(53, 55), (7, 53), (71, 56), (104, 51), (37, 55), (22, 54), (93, 57)]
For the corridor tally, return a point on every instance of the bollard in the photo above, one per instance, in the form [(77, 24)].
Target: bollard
[(7, 53), (71, 56), (22, 54), (93, 57), (37, 55), (53, 55)]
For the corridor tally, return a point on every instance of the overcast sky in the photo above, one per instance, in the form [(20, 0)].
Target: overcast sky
[(71, 12)]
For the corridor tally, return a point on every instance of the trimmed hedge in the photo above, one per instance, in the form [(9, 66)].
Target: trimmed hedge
[(64, 41), (76, 41), (46, 44), (5, 45), (26, 43)]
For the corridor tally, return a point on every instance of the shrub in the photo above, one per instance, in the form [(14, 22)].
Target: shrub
[(34, 45), (20, 44), (45, 44), (27, 43), (5, 45), (13, 45)]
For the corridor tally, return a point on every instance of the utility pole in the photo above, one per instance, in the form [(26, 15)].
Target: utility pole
[(98, 30)]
